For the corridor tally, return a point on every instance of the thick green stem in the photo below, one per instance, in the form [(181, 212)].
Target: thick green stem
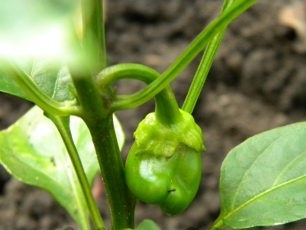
[(93, 39), (97, 114), (62, 124), (98, 118)]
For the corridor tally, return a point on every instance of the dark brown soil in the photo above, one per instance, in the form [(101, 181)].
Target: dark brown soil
[(257, 82)]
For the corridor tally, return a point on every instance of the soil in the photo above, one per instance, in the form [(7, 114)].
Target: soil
[(257, 83)]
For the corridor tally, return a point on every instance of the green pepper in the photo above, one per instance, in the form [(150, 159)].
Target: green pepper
[(164, 164)]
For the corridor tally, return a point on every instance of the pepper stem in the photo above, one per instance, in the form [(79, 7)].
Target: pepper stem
[(167, 109)]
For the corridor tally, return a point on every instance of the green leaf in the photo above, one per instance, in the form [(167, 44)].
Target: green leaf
[(146, 225), (48, 86), (54, 82), (33, 152), (8, 85), (263, 180)]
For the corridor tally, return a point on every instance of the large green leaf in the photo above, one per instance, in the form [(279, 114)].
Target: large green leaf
[(33, 152), (52, 81), (8, 85), (263, 180)]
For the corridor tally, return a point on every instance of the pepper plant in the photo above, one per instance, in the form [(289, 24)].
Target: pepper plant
[(71, 133)]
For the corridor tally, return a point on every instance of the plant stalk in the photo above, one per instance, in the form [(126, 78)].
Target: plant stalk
[(99, 119), (93, 40), (200, 77), (205, 65), (62, 124)]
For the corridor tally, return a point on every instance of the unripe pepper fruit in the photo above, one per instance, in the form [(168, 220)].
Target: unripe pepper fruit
[(164, 164)]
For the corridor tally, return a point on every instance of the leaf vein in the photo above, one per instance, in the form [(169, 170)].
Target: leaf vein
[(258, 196), (249, 168)]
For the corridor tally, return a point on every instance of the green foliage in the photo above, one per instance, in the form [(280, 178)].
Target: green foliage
[(34, 153), (146, 225), (8, 85), (263, 180), (52, 81)]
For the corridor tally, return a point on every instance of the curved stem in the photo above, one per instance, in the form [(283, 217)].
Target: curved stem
[(167, 109), (62, 124), (195, 47)]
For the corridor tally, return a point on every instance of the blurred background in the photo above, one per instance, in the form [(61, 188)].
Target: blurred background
[(257, 82)]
